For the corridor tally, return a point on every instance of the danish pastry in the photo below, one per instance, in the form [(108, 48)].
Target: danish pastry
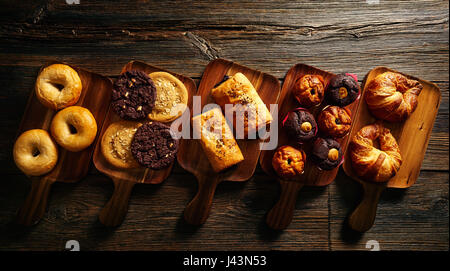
[(238, 90), (216, 139), (392, 96), (370, 163)]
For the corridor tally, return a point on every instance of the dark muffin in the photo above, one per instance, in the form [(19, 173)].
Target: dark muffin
[(342, 90), (309, 90), (133, 95), (153, 145), (300, 125), (288, 162), (334, 121), (326, 153)]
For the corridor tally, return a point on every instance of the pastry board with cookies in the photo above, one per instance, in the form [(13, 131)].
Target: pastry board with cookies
[(389, 137), (136, 143), (315, 114), (212, 158), (57, 135)]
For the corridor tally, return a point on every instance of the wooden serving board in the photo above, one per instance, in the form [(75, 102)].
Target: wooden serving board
[(280, 216), (124, 179), (71, 166), (191, 156), (412, 137)]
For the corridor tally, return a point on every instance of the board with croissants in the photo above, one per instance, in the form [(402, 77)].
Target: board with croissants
[(152, 112)]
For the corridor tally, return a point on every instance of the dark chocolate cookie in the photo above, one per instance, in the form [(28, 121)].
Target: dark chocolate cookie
[(133, 95), (300, 125), (153, 145), (326, 153), (342, 90)]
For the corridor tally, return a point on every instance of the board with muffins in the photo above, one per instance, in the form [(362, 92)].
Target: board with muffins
[(56, 137), (137, 145), (315, 109), (324, 120)]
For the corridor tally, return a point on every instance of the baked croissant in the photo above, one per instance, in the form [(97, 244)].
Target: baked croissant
[(370, 163), (392, 96)]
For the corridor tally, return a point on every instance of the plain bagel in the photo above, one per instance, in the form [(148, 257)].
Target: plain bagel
[(35, 153), (74, 128), (58, 86)]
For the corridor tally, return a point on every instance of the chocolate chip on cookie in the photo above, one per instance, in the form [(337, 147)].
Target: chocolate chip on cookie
[(133, 95), (153, 145)]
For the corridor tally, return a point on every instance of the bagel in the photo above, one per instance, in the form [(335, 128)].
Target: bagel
[(74, 128), (392, 96), (35, 153), (370, 163), (58, 86)]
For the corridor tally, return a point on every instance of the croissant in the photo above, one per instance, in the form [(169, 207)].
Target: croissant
[(392, 96), (370, 163)]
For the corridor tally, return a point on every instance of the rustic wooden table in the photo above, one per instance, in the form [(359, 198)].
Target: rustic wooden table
[(102, 36)]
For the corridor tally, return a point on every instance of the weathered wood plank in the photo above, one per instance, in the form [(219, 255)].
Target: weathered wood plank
[(267, 36), (155, 217), (410, 36), (407, 219)]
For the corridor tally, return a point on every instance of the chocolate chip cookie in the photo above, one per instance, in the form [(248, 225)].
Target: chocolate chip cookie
[(133, 95), (153, 145)]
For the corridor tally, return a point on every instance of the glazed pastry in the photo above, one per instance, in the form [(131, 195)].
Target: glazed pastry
[(58, 86), (171, 97), (288, 162), (334, 121), (300, 125), (309, 90), (116, 144), (154, 145), (342, 90), (35, 153), (392, 96), (133, 95), (238, 90), (74, 128), (327, 153), (370, 163), (216, 139)]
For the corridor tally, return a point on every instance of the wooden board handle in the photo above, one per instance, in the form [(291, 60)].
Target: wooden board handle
[(363, 216), (35, 204), (280, 216), (115, 210), (197, 211)]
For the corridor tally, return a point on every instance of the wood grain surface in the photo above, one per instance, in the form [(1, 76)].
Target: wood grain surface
[(270, 36)]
